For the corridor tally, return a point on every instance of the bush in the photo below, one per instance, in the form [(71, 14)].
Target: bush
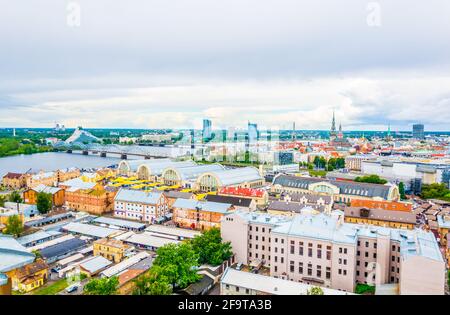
[(362, 288)]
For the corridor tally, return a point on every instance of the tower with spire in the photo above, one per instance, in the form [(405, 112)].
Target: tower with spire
[(340, 134), (333, 128)]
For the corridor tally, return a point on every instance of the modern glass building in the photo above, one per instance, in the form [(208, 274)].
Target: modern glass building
[(418, 131)]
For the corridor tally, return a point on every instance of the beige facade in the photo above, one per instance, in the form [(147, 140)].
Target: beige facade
[(325, 251)]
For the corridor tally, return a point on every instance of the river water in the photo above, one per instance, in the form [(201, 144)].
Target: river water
[(52, 161)]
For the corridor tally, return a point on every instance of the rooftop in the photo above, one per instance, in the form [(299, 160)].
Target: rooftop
[(12, 254), (202, 205), (89, 230), (270, 285), (119, 223), (138, 196)]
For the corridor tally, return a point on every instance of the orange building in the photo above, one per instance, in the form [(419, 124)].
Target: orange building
[(30, 195), (260, 196), (199, 215), (385, 205), (95, 200)]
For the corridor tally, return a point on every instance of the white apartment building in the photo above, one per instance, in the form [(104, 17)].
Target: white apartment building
[(140, 205), (323, 250)]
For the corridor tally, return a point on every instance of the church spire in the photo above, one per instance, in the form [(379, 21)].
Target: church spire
[(333, 128), (333, 123)]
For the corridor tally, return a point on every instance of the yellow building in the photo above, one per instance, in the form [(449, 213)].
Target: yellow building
[(110, 249), (14, 180), (30, 277), (5, 214), (380, 217)]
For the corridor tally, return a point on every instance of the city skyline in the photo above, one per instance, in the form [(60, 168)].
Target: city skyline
[(271, 63)]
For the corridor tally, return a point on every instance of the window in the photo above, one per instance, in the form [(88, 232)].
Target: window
[(310, 252), (319, 273), (340, 250), (292, 249), (366, 254), (328, 273), (340, 271), (319, 253), (328, 254), (300, 267), (282, 260), (345, 272), (345, 250), (367, 244), (309, 270), (300, 250), (291, 266), (237, 289)]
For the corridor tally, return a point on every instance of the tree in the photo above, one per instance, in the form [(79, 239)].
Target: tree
[(44, 202), (102, 286), (316, 161), (315, 291), (210, 248), (401, 190), (2, 200), (153, 282), (178, 262), (15, 197), (373, 179), (14, 226), (435, 191)]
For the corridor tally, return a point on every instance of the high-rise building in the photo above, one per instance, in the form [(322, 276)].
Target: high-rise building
[(207, 129), (418, 131), (252, 132)]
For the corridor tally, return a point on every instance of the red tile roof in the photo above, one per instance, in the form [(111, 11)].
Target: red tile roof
[(13, 175)]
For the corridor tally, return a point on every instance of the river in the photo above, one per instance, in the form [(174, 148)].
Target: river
[(52, 161)]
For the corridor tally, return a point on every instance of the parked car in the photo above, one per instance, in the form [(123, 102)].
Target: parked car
[(72, 288), (239, 266)]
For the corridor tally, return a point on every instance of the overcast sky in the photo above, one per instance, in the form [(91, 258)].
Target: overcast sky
[(171, 63)]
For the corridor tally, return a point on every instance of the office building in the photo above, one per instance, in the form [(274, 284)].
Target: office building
[(323, 250), (418, 131), (207, 129)]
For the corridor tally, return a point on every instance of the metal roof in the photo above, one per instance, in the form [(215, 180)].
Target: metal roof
[(88, 230), (127, 263), (137, 196), (12, 254), (238, 175), (120, 223), (62, 248), (38, 236), (202, 205), (270, 285), (95, 264), (148, 240), (345, 187)]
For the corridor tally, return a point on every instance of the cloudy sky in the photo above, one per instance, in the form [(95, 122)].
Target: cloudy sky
[(170, 63)]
